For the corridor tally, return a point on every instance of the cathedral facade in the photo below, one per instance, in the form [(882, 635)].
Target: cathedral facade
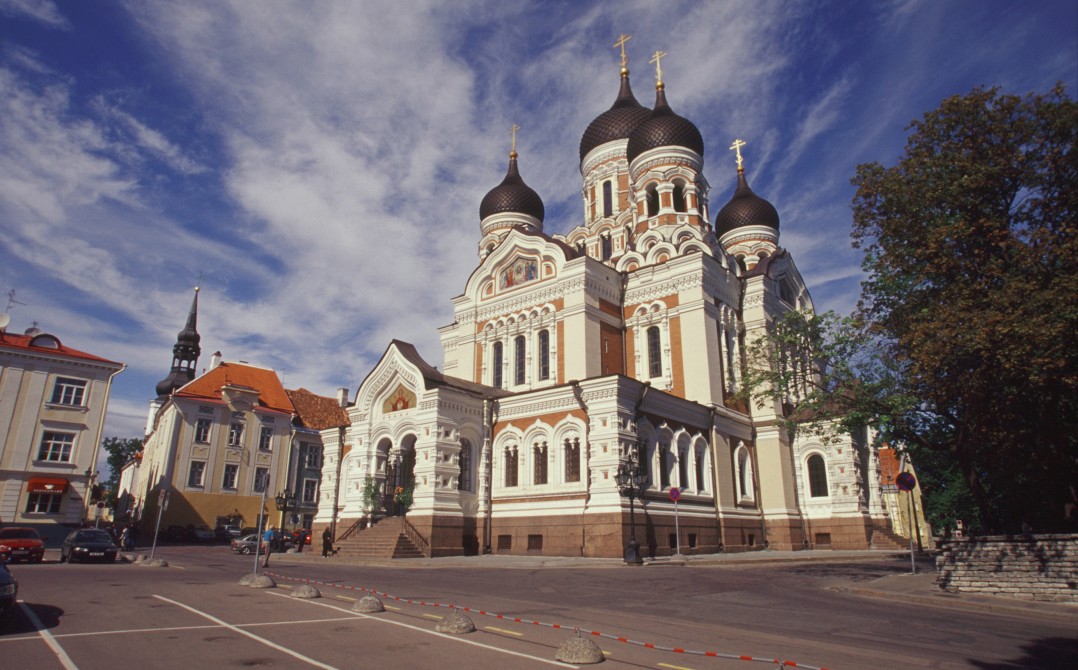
[(616, 348)]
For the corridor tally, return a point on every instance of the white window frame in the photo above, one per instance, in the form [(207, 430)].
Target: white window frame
[(265, 439), (56, 446), (235, 433), (310, 485), (43, 502), (201, 474), (203, 425), (231, 471), (69, 392)]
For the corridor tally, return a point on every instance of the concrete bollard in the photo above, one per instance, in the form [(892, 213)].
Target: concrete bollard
[(262, 582), (455, 624), (155, 563), (579, 650), (368, 605), (306, 591)]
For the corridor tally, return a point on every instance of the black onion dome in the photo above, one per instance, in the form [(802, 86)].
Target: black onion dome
[(512, 195), (664, 128), (745, 209), (616, 123)]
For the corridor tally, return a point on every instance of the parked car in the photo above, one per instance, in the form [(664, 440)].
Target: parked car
[(25, 544), (227, 532), (9, 591), (248, 543), (305, 533), (200, 533), (5, 554), (88, 544)]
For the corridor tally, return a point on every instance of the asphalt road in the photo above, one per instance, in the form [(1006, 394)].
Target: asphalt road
[(194, 614)]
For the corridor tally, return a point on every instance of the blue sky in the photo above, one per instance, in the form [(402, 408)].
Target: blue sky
[(320, 164)]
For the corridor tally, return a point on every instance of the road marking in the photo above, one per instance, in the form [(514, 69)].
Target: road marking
[(390, 607), (502, 630), (430, 632), (272, 645), (672, 667), (345, 598), (432, 616), (61, 655)]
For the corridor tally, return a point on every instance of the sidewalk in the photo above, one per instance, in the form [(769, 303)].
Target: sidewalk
[(919, 588)]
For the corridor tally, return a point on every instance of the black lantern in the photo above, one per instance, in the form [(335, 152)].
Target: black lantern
[(631, 480), (286, 502)]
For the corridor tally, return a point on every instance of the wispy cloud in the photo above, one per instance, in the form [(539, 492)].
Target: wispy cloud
[(41, 11)]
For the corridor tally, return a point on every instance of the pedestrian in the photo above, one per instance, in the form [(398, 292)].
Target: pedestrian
[(267, 545), (299, 538), (327, 542)]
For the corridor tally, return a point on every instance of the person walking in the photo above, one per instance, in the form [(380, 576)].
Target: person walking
[(327, 542), (267, 545)]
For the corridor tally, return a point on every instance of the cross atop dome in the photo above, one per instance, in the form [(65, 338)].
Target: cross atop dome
[(736, 146), (657, 59), (622, 39)]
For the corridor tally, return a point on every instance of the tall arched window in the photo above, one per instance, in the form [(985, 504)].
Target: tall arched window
[(510, 466), (464, 481), (679, 197), (544, 354), (683, 467), (664, 467), (701, 481), (652, 196), (496, 366), (608, 199), (607, 246), (655, 364), (572, 459), (520, 351), (817, 471), (744, 474), (539, 470)]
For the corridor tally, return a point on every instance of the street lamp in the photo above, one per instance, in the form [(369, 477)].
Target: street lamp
[(631, 479), (286, 502)]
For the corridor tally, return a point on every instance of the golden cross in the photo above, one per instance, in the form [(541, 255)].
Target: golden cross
[(736, 146), (657, 59), (513, 133), (622, 39)]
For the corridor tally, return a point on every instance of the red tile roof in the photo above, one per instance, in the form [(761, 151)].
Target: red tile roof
[(317, 412), (33, 344), (271, 393)]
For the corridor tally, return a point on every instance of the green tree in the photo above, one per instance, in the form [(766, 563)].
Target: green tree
[(964, 345), (120, 451)]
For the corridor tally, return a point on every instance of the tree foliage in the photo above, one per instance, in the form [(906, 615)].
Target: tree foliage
[(964, 345), (120, 450)]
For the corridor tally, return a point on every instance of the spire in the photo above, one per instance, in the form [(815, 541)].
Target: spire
[(184, 353)]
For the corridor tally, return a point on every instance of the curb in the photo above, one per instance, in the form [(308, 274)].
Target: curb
[(942, 600)]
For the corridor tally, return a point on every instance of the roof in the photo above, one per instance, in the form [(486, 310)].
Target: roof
[(271, 393), (512, 195), (616, 123), (49, 345), (434, 379), (317, 412)]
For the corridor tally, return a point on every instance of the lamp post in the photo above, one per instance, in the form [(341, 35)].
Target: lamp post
[(631, 479), (286, 503)]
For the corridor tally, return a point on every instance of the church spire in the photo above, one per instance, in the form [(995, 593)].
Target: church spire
[(184, 353)]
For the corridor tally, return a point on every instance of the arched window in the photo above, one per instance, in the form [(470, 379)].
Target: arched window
[(664, 467), (655, 365), (607, 246), (679, 197), (652, 196), (496, 366), (701, 481), (544, 354), (744, 474), (572, 459), (817, 470), (582, 248), (539, 470), (520, 351), (741, 262), (464, 481), (683, 467), (608, 199), (510, 466)]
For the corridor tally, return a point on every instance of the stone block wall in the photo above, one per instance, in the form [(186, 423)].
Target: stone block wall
[(1029, 567)]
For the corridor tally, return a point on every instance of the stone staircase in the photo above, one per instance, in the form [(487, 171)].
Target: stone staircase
[(885, 538), (385, 539)]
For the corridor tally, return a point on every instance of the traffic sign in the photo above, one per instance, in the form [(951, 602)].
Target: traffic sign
[(100, 505), (675, 493), (905, 481)]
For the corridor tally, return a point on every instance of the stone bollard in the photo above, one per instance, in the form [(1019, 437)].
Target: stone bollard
[(262, 582), (155, 563), (580, 650), (306, 591), (368, 605), (455, 624)]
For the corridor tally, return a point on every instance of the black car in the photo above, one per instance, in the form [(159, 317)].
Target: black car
[(9, 590), (88, 544)]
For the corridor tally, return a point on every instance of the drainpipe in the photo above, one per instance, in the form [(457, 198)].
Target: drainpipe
[(97, 443), (490, 410)]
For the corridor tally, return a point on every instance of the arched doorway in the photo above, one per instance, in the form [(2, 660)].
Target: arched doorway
[(399, 482)]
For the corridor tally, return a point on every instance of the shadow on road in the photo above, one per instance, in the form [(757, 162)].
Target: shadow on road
[(18, 623), (1049, 652)]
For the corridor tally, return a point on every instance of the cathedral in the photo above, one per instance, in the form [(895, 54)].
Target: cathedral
[(587, 397)]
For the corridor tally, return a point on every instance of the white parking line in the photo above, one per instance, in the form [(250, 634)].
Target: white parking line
[(455, 638), (61, 655), (273, 645)]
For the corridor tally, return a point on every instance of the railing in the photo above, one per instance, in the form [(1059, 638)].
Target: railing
[(357, 526), (418, 540)]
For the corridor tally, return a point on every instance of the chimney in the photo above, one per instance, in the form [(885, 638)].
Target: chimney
[(215, 360), (342, 396)]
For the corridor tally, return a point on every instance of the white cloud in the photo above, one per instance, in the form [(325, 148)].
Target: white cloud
[(41, 11)]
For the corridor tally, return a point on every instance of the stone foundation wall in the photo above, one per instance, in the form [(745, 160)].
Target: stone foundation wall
[(1029, 567)]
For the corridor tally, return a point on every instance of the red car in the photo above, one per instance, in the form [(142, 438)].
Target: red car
[(25, 544)]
